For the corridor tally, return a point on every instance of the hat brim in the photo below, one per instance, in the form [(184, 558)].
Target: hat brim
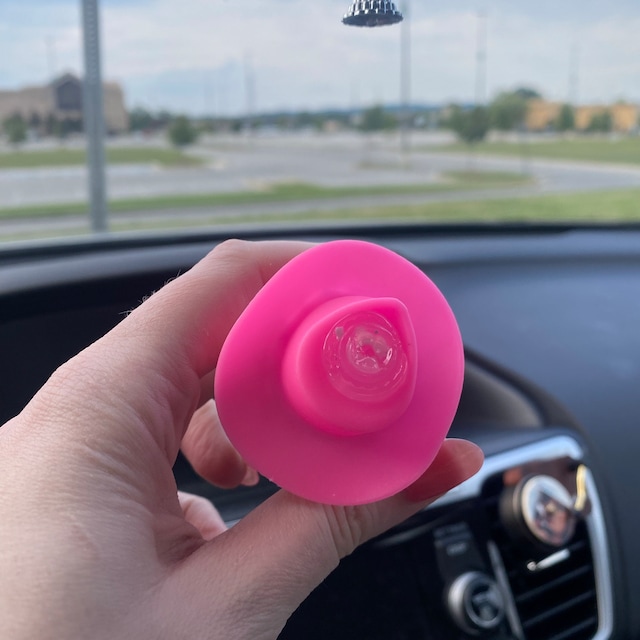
[(297, 456)]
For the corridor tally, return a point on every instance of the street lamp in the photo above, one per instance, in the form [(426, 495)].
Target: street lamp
[(405, 77)]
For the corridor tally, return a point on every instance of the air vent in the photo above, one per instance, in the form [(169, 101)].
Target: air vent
[(555, 600)]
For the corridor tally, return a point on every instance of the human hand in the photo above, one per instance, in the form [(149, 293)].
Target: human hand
[(95, 541)]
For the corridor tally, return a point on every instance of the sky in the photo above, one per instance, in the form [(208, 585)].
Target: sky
[(224, 57)]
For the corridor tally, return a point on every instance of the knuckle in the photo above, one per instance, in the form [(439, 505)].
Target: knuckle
[(349, 527), (232, 249)]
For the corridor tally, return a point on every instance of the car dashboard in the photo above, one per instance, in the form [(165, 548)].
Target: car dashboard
[(542, 542)]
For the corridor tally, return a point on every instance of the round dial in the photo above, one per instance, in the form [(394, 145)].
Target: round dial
[(475, 602)]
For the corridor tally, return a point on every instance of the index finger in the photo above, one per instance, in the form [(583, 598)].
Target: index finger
[(146, 372)]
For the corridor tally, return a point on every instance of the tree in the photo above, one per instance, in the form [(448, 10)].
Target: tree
[(307, 120), (164, 118), (508, 110), (51, 125), (15, 129), (566, 119), (182, 132), (140, 120), (35, 121), (57, 129), (470, 125), (527, 93), (601, 123), (377, 119)]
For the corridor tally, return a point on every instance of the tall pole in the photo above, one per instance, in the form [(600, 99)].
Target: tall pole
[(51, 57), (481, 59), (93, 113), (405, 77), (574, 75), (206, 95), (249, 94)]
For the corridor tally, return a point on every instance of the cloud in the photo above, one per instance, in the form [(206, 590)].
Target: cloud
[(194, 55), (35, 38)]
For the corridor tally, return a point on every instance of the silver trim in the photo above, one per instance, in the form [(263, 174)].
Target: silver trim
[(601, 562), (503, 582), (550, 449)]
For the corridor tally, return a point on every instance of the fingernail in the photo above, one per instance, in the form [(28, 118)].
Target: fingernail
[(251, 478), (430, 487), (457, 462)]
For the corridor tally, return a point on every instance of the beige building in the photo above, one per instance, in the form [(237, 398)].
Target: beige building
[(624, 117), (62, 100), (542, 115)]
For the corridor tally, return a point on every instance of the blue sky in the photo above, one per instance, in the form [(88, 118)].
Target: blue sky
[(193, 55)]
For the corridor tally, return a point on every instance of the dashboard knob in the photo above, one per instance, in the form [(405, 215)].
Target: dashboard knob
[(475, 602), (540, 508)]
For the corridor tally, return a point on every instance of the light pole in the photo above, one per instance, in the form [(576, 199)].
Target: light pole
[(249, 96), (93, 115), (378, 13), (481, 59), (574, 75), (51, 57), (405, 78)]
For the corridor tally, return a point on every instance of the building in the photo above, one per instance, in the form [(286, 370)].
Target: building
[(624, 117), (542, 115), (61, 100)]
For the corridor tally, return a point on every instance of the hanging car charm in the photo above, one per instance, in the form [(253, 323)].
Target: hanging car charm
[(372, 13)]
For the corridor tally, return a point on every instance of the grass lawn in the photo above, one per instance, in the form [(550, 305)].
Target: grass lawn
[(283, 192), (70, 157), (622, 150), (609, 206), (603, 206)]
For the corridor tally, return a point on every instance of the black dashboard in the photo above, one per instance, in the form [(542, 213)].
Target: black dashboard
[(550, 319)]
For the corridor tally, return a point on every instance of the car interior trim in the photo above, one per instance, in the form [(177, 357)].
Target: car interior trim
[(546, 450), (503, 584)]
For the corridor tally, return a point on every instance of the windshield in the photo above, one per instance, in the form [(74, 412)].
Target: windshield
[(122, 116)]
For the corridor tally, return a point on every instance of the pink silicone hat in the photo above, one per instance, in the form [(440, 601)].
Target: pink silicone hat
[(341, 378)]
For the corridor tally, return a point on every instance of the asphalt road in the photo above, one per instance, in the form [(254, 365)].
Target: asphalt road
[(234, 165)]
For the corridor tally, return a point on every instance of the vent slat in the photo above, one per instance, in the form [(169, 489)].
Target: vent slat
[(558, 609), (552, 584), (585, 625)]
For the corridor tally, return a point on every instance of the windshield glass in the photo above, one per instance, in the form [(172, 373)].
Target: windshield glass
[(272, 111)]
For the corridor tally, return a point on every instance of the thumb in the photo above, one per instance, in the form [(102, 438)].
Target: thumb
[(283, 549)]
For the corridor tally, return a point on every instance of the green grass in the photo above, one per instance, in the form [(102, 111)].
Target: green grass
[(604, 206), (483, 179), (610, 206), (116, 155), (622, 151), (282, 192)]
